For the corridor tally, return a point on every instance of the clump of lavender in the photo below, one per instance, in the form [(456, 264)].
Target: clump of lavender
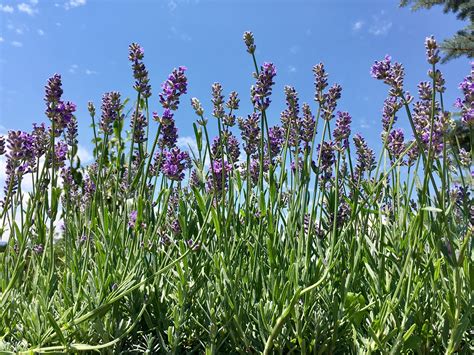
[(140, 73), (261, 91), (308, 126), (219, 176), (432, 50), (327, 159), (138, 125), (250, 132), (365, 156), (174, 163), (343, 129), (395, 143), (110, 111), (466, 104), (427, 133), (249, 42)]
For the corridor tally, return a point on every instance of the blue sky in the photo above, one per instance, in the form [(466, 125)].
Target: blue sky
[(87, 42)]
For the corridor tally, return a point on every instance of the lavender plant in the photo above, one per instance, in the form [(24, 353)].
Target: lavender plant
[(264, 239)]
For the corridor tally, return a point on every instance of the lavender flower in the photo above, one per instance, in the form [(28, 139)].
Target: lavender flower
[(395, 143), (132, 219), (289, 117), (196, 104), (262, 90), (53, 93), (308, 126), (438, 79), (327, 159), (390, 108), (169, 135), (173, 88), (219, 174), (233, 101), (275, 137), (250, 132), (195, 180), (466, 104), (249, 42), (110, 111), (91, 108), (20, 159), (218, 100), (2, 145), (320, 81), (71, 132), (365, 156), (230, 145), (60, 153), (329, 101), (174, 164), (432, 51), (142, 85), (175, 227), (343, 129), (464, 158), (391, 74), (424, 90), (138, 125)]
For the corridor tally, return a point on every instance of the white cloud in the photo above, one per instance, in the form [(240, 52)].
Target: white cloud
[(188, 142), (380, 28), (2, 39), (90, 72), (26, 8), (17, 44), (291, 68), (74, 3), (6, 8), (73, 68), (84, 154), (176, 34), (34, 2), (358, 25), (40, 32), (294, 49), (19, 31)]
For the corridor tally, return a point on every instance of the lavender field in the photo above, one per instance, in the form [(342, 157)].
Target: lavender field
[(289, 238)]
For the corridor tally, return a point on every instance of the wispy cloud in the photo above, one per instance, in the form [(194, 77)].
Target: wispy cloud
[(357, 26), (84, 154), (40, 32), (34, 2), (6, 8), (17, 44), (90, 72), (2, 39), (177, 34), (188, 142), (27, 8), (294, 49), (73, 68), (291, 69), (380, 28), (74, 3)]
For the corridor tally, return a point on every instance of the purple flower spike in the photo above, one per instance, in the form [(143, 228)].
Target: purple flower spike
[(110, 111), (395, 143), (175, 162), (138, 125), (343, 129), (142, 85), (432, 51), (132, 219), (262, 90), (365, 157), (219, 174), (173, 88), (250, 132), (320, 80), (249, 42), (329, 101), (466, 104), (2, 145), (275, 135), (326, 151), (308, 126)]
